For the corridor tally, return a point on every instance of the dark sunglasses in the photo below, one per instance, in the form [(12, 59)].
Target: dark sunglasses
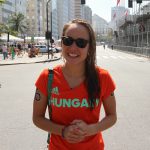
[(68, 41)]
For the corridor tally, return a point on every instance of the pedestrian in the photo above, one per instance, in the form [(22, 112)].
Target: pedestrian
[(5, 51), (19, 46), (79, 89), (29, 46), (112, 47), (104, 45), (12, 49), (31, 53)]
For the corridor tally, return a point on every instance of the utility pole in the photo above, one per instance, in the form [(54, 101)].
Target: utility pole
[(48, 33)]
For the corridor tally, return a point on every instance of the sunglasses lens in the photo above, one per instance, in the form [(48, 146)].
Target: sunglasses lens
[(81, 43), (67, 41)]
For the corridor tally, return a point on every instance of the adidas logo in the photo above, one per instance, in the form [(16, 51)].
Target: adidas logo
[(55, 90)]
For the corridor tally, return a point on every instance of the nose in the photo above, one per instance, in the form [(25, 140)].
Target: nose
[(74, 46)]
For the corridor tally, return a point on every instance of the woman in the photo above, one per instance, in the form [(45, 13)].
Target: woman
[(79, 89)]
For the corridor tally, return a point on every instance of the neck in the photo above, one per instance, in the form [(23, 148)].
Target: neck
[(74, 70)]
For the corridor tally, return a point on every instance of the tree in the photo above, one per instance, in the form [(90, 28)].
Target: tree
[(18, 23), (6, 28)]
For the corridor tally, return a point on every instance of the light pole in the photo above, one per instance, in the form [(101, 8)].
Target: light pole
[(48, 33)]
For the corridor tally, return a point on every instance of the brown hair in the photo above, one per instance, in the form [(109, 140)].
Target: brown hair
[(92, 78)]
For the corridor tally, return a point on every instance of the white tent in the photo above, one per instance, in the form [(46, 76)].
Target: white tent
[(36, 39), (12, 38)]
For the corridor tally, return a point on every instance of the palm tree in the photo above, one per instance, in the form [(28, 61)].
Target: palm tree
[(17, 23), (6, 28)]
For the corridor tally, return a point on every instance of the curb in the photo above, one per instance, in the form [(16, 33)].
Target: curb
[(20, 63)]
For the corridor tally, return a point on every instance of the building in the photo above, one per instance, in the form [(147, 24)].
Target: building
[(54, 15), (100, 27), (65, 12), (134, 30), (77, 9), (87, 14), (11, 7), (59, 13), (36, 17)]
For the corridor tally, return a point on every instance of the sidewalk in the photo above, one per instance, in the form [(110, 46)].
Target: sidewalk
[(26, 60)]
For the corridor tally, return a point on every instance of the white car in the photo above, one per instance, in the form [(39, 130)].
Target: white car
[(43, 48), (58, 46)]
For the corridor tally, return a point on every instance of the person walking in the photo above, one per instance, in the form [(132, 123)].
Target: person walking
[(5, 51), (12, 49), (79, 89), (112, 47), (104, 45)]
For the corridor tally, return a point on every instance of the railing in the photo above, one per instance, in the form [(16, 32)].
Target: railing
[(144, 51)]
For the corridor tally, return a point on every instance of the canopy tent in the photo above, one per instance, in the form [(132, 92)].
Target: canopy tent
[(36, 39), (12, 38)]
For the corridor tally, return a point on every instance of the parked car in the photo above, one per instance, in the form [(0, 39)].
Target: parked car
[(43, 48), (58, 46), (58, 49)]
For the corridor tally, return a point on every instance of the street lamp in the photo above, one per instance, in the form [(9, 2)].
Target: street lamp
[(48, 33)]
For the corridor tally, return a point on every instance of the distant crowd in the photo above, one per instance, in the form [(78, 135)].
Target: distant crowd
[(18, 49)]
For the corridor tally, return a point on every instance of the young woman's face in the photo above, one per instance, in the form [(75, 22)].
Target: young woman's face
[(75, 52)]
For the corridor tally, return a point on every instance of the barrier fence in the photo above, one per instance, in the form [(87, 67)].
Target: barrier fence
[(144, 51)]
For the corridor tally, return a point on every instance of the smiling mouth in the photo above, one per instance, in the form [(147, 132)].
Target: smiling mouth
[(73, 55)]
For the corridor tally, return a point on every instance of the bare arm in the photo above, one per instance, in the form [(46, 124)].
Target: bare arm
[(110, 114), (39, 119)]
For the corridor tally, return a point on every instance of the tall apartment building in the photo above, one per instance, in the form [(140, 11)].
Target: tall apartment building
[(82, 11), (100, 25), (78, 9), (54, 12), (65, 13), (71, 9), (10, 7), (36, 17), (59, 11), (87, 14)]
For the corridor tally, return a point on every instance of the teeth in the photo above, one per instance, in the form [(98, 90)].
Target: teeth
[(73, 55)]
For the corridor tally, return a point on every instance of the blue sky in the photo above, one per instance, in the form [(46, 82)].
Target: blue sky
[(103, 7)]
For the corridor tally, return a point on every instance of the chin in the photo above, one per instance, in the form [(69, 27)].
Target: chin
[(75, 62)]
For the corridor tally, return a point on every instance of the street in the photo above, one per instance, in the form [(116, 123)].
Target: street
[(131, 74)]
